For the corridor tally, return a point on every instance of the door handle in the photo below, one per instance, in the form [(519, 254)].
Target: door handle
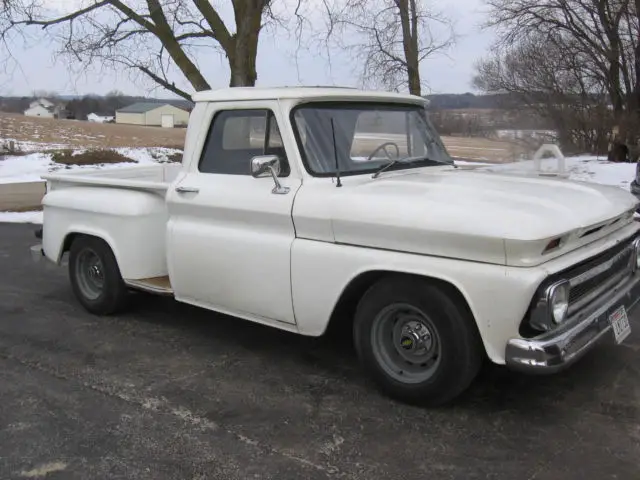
[(187, 189)]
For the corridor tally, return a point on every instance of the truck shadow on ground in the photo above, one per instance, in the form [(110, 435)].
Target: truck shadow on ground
[(590, 382)]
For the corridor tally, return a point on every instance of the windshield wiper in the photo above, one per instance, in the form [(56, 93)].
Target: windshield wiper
[(387, 166)]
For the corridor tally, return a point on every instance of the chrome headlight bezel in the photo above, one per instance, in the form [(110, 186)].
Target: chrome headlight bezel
[(557, 296), (542, 316), (635, 261)]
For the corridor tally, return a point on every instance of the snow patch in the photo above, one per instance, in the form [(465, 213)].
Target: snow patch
[(44, 470), (149, 154), (24, 168), (515, 134), (21, 217), (31, 147), (31, 167), (583, 168), (465, 163)]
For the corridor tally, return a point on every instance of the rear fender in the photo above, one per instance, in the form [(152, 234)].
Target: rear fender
[(56, 245), (133, 224)]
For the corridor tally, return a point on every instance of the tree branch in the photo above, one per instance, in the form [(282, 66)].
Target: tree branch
[(164, 83), (218, 28), (66, 18)]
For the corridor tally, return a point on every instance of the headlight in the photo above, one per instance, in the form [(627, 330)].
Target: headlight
[(558, 301), (636, 247)]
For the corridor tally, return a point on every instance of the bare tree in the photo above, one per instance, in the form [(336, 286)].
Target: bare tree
[(390, 38), (572, 57), (156, 38), (555, 84)]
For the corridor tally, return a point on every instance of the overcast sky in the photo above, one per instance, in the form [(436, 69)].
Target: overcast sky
[(37, 69)]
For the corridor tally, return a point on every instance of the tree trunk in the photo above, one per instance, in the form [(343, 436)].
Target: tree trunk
[(242, 57), (409, 21), (612, 76), (242, 61)]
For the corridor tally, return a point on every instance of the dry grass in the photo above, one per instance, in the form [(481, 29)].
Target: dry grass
[(29, 208), (74, 133), (89, 157), (485, 149)]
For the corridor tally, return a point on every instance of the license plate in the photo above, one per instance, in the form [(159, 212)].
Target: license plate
[(620, 324)]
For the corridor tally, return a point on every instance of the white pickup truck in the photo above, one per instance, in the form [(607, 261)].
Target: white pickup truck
[(298, 207)]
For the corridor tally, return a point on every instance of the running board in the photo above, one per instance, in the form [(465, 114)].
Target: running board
[(157, 285)]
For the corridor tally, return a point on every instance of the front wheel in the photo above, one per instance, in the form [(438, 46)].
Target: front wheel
[(416, 341), (95, 276)]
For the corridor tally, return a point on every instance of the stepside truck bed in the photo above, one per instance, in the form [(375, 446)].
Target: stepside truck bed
[(125, 207)]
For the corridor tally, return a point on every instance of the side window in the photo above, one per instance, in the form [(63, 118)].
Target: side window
[(236, 136)]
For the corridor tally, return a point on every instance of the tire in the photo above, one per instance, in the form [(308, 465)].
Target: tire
[(416, 342), (95, 276)]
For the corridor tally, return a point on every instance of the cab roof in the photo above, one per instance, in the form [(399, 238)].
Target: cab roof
[(302, 93)]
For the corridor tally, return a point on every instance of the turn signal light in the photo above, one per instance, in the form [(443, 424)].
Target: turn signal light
[(552, 245)]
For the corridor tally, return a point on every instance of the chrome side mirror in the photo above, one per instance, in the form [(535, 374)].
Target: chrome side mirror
[(265, 165)]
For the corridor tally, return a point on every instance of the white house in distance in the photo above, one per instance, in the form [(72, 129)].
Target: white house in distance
[(95, 118), (44, 108), (153, 114)]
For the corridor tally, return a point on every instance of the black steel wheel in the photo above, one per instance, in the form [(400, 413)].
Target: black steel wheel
[(95, 276), (416, 340)]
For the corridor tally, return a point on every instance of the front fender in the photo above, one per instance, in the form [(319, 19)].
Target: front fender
[(497, 296)]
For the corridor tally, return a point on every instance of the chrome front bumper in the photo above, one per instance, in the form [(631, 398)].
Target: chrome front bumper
[(554, 351)]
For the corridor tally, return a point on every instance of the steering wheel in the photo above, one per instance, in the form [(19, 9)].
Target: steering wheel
[(384, 147)]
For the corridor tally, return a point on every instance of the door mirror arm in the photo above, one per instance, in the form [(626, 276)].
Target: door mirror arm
[(265, 165)]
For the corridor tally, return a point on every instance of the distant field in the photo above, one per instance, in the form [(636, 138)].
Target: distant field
[(483, 149), (85, 134)]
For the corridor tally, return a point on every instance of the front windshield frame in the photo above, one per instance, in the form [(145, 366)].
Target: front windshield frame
[(352, 104)]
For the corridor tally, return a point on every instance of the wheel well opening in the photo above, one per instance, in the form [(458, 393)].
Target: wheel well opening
[(72, 237), (344, 310), (343, 313), (68, 240)]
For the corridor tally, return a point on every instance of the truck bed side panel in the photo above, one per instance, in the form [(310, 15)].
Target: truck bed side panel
[(132, 222)]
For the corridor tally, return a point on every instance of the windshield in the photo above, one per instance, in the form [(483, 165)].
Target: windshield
[(367, 137)]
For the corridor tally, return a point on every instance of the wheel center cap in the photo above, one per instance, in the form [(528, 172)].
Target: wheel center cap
[(415, 339), (410, 341), (94, 271)]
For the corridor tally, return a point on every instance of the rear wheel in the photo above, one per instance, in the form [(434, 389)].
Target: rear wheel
[(95, 276), (416, 341)]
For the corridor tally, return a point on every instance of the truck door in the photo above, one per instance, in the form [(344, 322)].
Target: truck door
[(229, 235)]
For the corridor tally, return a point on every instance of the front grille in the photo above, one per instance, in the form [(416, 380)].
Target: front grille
[(595, 273), (620, 264)]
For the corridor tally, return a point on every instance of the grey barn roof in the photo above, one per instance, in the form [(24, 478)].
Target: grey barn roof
[(143, 107)]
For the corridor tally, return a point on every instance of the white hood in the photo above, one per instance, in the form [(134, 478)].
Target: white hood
[(475, 215)]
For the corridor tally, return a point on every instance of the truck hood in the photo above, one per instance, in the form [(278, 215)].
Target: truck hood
[(477, 215)]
